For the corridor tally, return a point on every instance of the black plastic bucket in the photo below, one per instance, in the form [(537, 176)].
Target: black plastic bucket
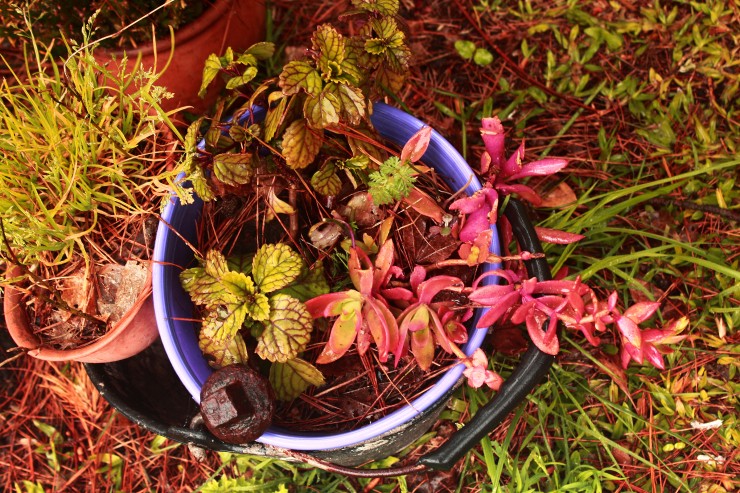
[(147, 391)]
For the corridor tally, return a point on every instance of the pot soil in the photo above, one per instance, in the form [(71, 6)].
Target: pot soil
[(124, 298), (227, 23), (175, 312)]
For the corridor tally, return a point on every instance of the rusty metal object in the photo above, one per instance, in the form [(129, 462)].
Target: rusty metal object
[(237, 404)]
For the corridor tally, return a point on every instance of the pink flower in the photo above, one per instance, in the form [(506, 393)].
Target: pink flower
[(477, 372)]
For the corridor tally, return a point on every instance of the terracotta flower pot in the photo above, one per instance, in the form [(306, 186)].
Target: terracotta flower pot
[(134, 332), (235, 23)]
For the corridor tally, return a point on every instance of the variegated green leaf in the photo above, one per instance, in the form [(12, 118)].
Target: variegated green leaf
[(388, 79), (216, 264), (301, 144), (258, 308), (249, 74), (326, 181), (310, 284), (210, 71), (233, 169), (222, 352), (357, 162), (262, 50), (238, 133), (201, 186), (275, 266), (389, 42), (322, 111), (297, 75), (246, 59), (203, 284), (383, 7), (238, 284), (288, 330), (240, 263), (351, 71), (275, 116), (352, 103), (224, 321), (292, 378), (330, 46)]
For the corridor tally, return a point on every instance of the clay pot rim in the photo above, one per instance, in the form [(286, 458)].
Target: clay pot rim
[(191, 30), (20, 330)]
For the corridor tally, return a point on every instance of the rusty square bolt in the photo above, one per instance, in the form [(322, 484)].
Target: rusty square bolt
[(237, 404)]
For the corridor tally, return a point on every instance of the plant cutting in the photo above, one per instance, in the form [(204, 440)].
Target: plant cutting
[(83, 170), (298, 189)]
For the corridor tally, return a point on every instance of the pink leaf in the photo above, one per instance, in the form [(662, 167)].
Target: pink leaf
[(630, 332), (383, 327), (492, 294), (492, 133), (383, 263), (557, 237), (543, 167), (546, 341), (428, 289), (497, 311), (416, 145), (330, 304), (639, 312), (514, 164), (523, 191), (417, 276)]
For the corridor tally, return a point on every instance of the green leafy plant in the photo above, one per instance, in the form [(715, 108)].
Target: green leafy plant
[(84, 162), (264, 295), (310, 101)]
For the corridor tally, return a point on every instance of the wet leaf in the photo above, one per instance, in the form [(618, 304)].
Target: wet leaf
[(275, 266), (383, 7), (200, 186), (210, 70), (225, 320), (417, 145), (351, 101), (249, 74), (287, 331), (262, 50), (274, 118), (291, 378), (300, 75), (330, 46), (560, 196), (258, 307), (311, 283), (233, 169), (222, 352), (326, 181), (322, 111), (301, 144)]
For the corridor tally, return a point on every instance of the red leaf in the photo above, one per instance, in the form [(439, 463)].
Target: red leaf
[(416, 145), (424, 205), (557, 237)]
